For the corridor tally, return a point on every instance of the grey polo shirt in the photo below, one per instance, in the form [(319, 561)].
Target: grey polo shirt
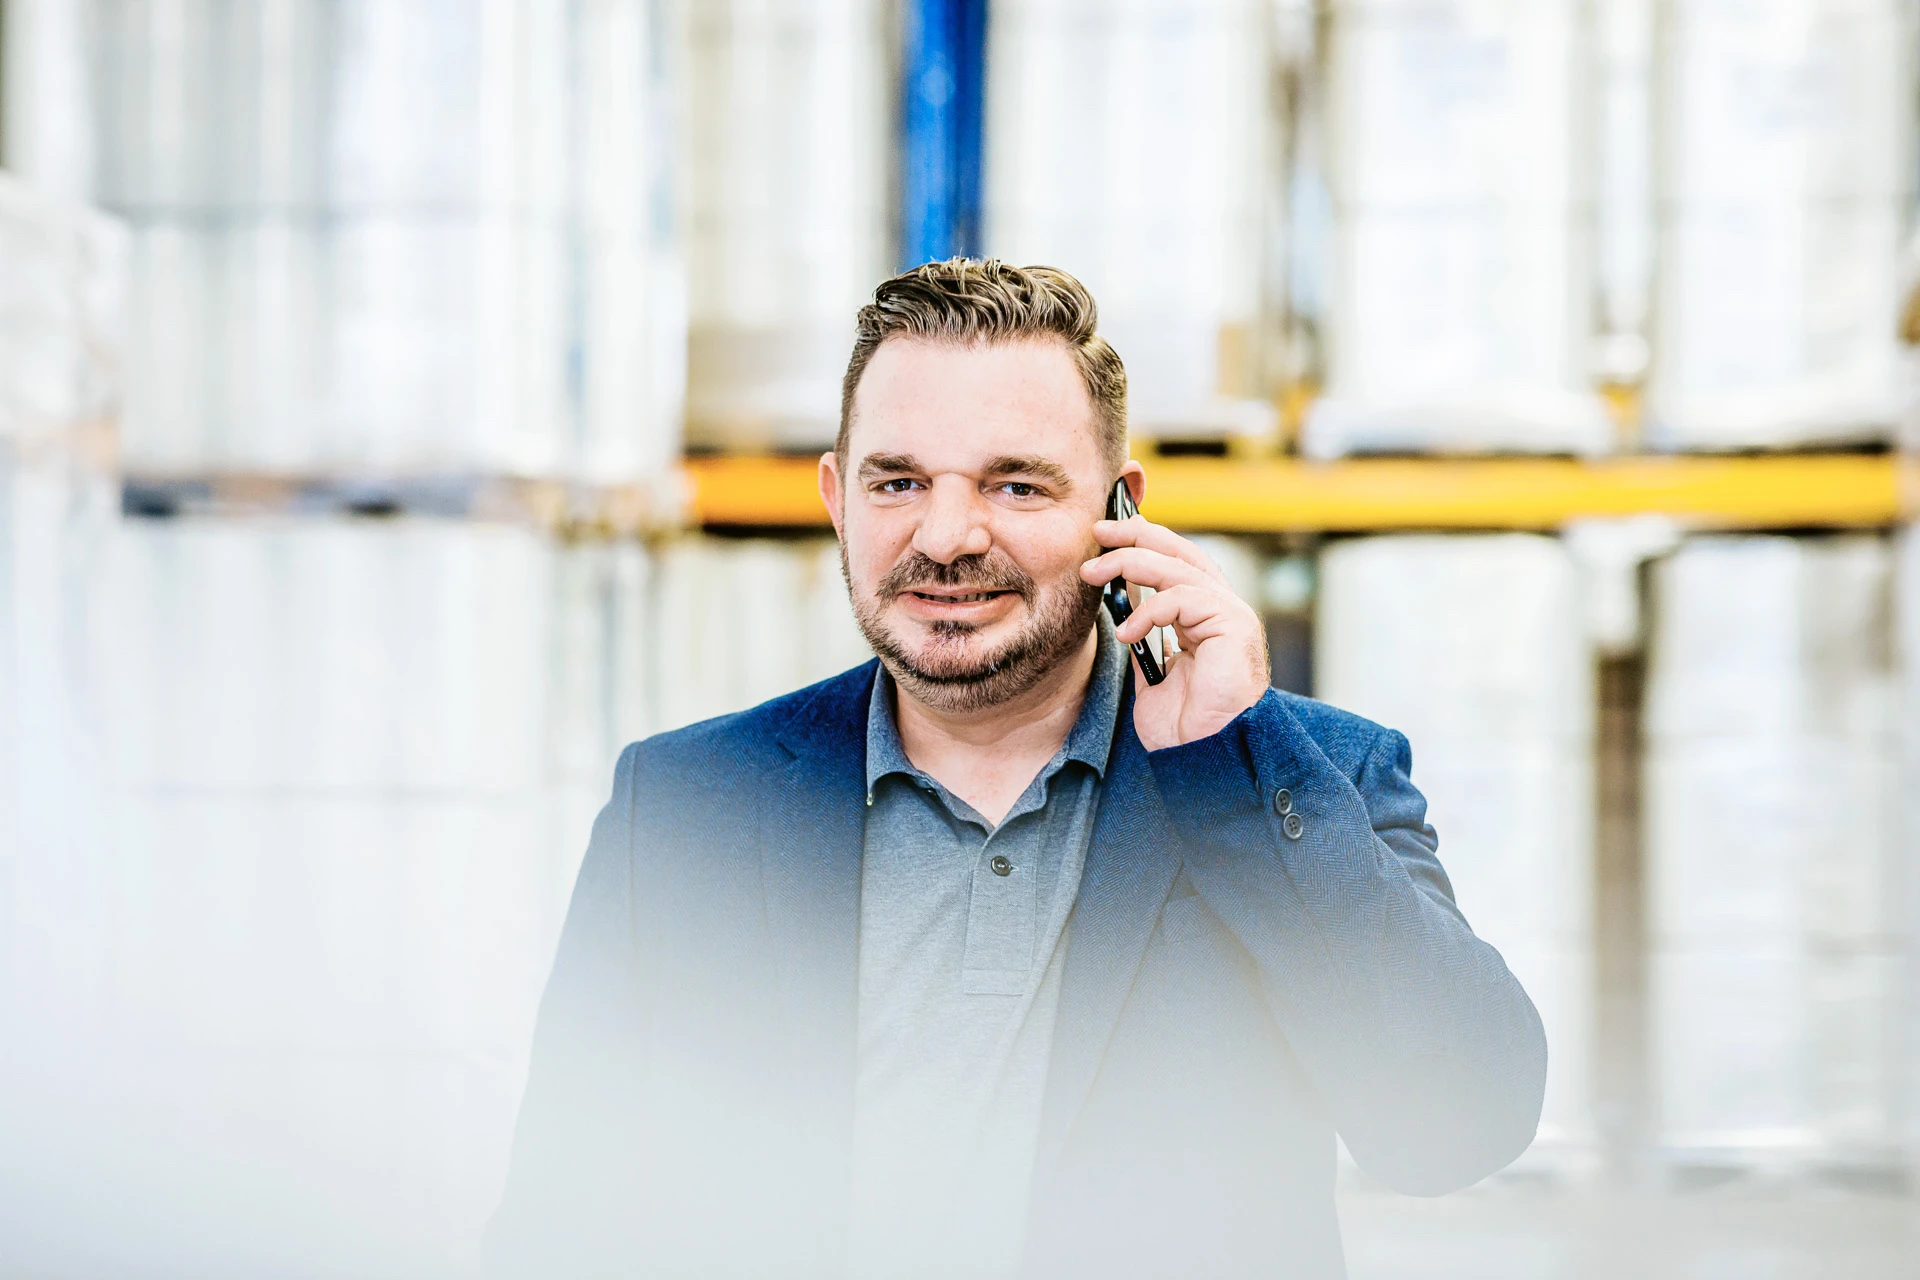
[(962, 944)]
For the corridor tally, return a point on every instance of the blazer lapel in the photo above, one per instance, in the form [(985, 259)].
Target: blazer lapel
[(810, 875), (1132, 860)]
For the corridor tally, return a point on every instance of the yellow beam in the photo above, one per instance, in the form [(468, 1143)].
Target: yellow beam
[(754, 491), (1284, 494)]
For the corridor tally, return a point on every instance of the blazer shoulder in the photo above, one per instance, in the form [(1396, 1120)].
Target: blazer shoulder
[(1344, 738), (767, 733)]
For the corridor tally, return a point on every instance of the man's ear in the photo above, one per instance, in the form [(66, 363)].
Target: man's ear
[(832, 493), (1136, 477)]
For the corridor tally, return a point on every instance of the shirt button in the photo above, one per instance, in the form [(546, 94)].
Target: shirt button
[(1293, 826), (1000, 865), (1283, 802)]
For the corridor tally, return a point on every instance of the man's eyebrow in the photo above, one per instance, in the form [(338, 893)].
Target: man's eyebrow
[(1041, 468), (887, 464)]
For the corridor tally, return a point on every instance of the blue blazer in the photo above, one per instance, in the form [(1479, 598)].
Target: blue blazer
[(1265, 951)]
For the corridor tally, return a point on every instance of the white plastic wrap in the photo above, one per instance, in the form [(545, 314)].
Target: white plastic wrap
[(1464, 637), (1785, 186), (398, 237), (290, 654), (1907, 821), (833, 641), (785, 137), (1772, 837), (1776, 877), (1463, 273), (1773, 636), (739, 621), (60, 290), (1777, 1052), (54, 936), (46, 124), (62, 287), (288, 105), (351, 770), (1474, 647), (1135, 145)]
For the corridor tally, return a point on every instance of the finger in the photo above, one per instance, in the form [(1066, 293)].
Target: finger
[(1147, 568), (1199, 613), (1138, 531)]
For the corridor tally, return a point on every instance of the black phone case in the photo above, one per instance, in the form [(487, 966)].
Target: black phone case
[(1119, 605)]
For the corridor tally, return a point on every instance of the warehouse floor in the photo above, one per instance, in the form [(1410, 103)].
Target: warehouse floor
[(1728, 1233)]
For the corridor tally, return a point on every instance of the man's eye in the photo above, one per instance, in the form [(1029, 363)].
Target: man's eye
[(899, 484), (1019, 489)]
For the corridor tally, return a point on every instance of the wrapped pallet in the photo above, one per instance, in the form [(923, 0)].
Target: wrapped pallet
[(1907, 827), (61, 276), (61, 272), (739, 621), (395, 236), (1461, 298), (1474, 647), (1785, 189), (1136, 145), (353, 766), (1775, 879), (62, 290), (785, 127)]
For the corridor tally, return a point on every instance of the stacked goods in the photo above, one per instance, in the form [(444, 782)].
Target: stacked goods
[(1461, 301), (1785, 184), (786, 117), (61, 271), (1473, 646), (1907, 826), (354, 765), (738, 621), (1775, 883), (349, 771), (60, 278), (1135, 145), (393, 236)]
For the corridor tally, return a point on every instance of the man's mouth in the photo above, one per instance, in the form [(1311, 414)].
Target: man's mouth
[(958, 597)]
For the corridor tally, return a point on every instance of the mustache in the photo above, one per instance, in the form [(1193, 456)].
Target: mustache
[(979, 573)]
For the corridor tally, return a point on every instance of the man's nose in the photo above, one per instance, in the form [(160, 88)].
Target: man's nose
[(953, 522)]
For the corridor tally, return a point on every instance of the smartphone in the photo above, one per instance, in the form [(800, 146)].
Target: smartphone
[(1120, 507)]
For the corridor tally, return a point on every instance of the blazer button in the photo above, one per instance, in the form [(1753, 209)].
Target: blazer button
[(1283, 802), (1000, 865), (1293, 826)]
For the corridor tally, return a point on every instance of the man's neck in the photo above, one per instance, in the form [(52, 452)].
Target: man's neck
[(988, 757)]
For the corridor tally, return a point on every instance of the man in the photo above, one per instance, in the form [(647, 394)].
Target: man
[(988, 958)]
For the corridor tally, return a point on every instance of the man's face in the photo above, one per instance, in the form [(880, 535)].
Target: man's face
[(973, 478)]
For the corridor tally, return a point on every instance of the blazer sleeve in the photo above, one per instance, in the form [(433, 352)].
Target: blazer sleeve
[(569, 1189), (1429, 1053)]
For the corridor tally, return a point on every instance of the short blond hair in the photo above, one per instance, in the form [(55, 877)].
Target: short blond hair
[(968, 300)]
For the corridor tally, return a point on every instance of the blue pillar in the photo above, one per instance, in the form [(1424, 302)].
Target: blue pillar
[(942, 78)]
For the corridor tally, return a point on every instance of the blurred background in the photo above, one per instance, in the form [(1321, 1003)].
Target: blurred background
[(406, 403)]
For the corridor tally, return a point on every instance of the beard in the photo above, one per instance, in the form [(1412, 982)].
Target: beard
[(946, 674)]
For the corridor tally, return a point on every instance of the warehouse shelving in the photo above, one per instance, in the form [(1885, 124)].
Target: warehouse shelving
[(1245, 495)]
